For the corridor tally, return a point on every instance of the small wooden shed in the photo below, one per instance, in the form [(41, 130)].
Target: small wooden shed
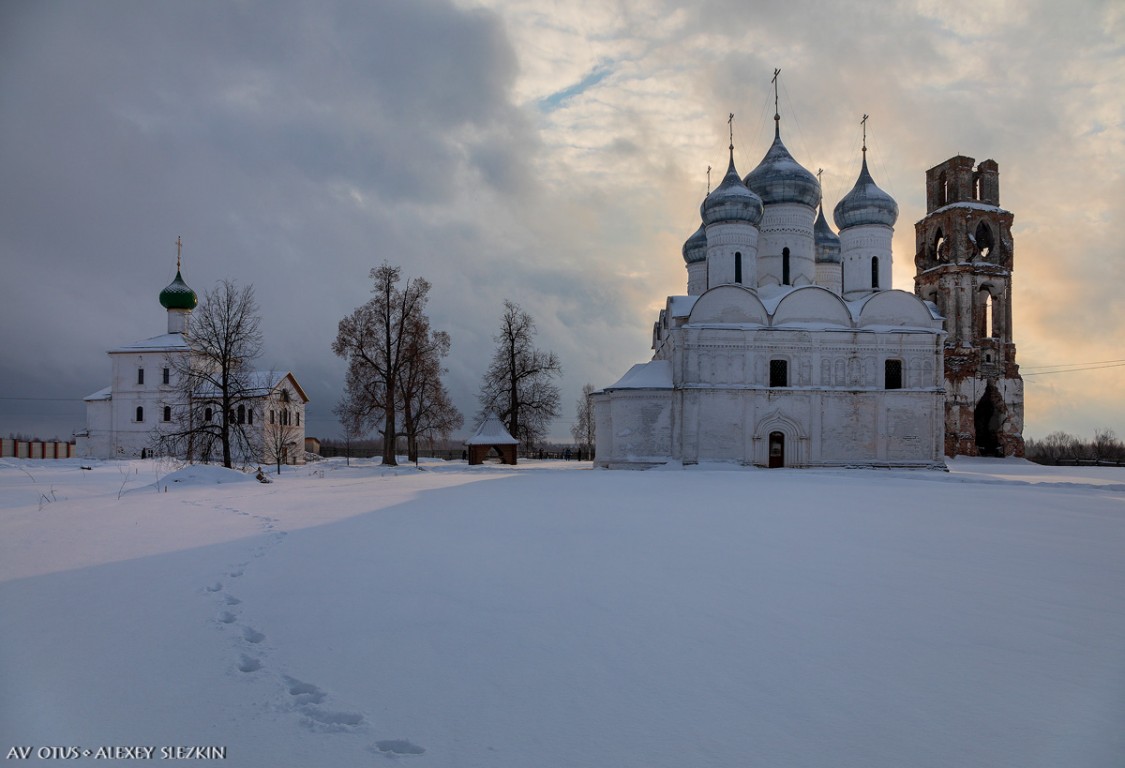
[(492, 434)]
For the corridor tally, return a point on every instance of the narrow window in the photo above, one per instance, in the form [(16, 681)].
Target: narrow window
[(989, 329), (785, 266), (167, 376), (738, 267), (271, 417), (298, 418), (779, 373), (892, 374), (167, 413), (874, 273), (140, 413), (249, 415), (242, 414), (140, 375), (207, 414)]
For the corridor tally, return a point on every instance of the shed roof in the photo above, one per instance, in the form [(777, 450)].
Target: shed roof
[(492, 432)]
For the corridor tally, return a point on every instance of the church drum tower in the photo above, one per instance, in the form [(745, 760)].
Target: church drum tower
[(964, 266)]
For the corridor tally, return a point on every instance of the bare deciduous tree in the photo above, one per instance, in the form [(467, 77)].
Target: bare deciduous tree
[(518, 384), (427, 410), (215, 382), (584, 431), (393, 360)]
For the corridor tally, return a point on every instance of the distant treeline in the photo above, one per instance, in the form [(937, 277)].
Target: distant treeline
[(1065, 448), (448, 450)]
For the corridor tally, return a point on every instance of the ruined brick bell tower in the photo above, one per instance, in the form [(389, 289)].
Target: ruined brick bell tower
[(964, 262)]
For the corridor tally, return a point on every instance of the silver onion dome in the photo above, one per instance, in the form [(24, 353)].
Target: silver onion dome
[(695, 249), (865, 204), (781, 179), (826, 241), (731, 200)]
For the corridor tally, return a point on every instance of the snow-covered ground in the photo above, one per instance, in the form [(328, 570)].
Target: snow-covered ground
[(552, 615)]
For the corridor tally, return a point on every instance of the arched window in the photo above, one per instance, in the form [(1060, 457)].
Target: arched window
[(939, 247), (943, 193), (988, 327), (983, 239), (167, 413), (738, 267), (242, 414), (140, 413), (874, 273), (298, 418), (271, 416), (785, 266), (207, 414)]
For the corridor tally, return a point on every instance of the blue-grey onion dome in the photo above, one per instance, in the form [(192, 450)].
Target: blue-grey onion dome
[(695, 249), (781, 179), (177, 295), (865, 204), (731, 201), (827, 242)]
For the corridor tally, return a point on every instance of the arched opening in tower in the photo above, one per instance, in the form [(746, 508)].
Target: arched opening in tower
[(983, 240), (987, 419)]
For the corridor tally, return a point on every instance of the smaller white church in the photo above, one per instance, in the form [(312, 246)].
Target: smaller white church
[(790, 348), (145, 398)]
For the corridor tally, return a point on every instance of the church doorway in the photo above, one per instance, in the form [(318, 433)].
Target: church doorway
[(777, 450), (986, 419)]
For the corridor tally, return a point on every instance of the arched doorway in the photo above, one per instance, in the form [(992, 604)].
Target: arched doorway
[(986, 419), (777, 450)]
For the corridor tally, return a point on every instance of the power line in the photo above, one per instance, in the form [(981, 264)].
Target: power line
[(1073, 367)]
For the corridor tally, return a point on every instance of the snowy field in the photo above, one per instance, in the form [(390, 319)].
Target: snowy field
[(553, 615)]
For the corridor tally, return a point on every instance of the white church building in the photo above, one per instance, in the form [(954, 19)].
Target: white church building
[(790, 349), (144, 398)]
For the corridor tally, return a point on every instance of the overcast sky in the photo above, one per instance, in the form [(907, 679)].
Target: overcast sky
[(552, 153)]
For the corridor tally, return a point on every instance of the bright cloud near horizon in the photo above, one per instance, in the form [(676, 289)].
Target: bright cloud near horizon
[(552, 154)]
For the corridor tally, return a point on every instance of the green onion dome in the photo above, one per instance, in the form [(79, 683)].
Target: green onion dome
[(178, 296)]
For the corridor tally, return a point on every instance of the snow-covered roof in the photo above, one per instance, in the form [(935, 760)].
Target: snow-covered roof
[(167, 342), (656, 374), (492, 432), (680, 306), (974, 204), (261, 384), (101, 394)]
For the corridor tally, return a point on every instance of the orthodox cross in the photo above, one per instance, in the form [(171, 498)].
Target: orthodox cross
[(730, 126), (708, 179), (179, 248), (863, 122), (776, 112)]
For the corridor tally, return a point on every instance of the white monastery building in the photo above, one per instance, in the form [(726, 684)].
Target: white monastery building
[(145, 398), (790, 347)]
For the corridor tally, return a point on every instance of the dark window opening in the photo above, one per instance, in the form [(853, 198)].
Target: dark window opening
[(738, 267), (140, 375), (271, 417), (167, 413), (874, 273), (785, 266), (249, 415), (983, 240), (242, 414), (140, 413), (298, 418), (892, 374), (167, 376), (207, 414), (779, 373)]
